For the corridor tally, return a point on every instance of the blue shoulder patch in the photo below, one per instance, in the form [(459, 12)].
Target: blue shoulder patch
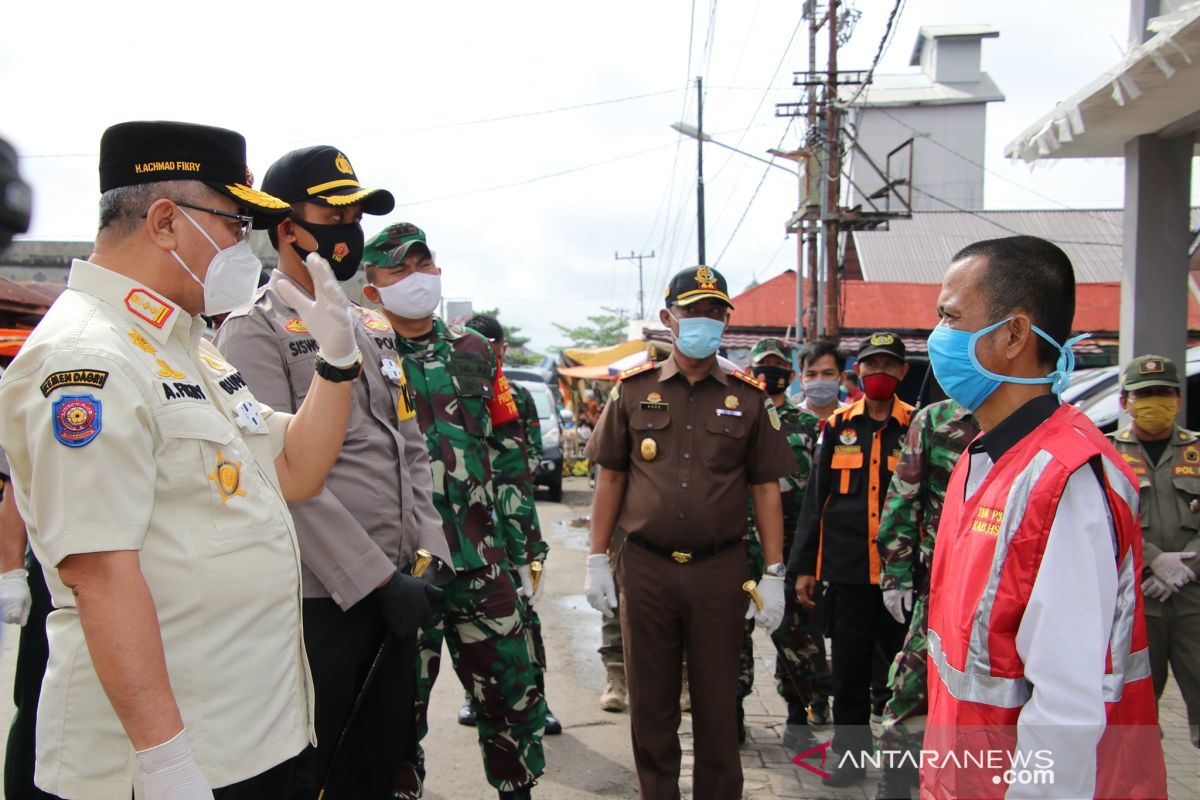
[(77, 419)]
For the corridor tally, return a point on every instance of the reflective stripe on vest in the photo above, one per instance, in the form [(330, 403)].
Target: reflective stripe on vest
[(975, 683)]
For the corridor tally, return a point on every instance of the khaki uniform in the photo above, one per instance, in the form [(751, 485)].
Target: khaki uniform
[(376, 508), (1170, 525), (690, 453), (127, 431)]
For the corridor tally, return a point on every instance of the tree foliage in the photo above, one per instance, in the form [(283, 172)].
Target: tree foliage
[(602, 330)]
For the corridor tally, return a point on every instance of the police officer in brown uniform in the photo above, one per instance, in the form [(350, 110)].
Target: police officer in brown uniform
[(1166, 459), (359, 535), (683, 446)]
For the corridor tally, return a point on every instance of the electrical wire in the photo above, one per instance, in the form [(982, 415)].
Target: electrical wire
[(754, 196), (884, 42)]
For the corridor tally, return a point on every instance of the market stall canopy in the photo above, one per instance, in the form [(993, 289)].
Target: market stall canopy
[(601, 356), (1153, 90)]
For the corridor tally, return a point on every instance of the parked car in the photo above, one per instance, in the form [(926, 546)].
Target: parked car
[(549, 471)]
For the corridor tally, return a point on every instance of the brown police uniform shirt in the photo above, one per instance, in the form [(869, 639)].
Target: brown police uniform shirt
[(691, 452), (377, 505)]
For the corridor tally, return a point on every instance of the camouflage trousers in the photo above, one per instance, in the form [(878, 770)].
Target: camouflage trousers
[(795, 656), (533, 631), (904, 714), (481, 624), (612, 647)]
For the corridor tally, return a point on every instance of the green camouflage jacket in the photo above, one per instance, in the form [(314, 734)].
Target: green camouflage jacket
[(533, 425), (802, 429), (937, 436), (513, 478), (452, 375)]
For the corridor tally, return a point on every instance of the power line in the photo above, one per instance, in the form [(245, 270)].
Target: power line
[(884, 41), (527, 181), (754, 196)]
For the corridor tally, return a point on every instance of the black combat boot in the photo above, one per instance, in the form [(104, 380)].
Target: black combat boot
[(897, 783), (517, 794)]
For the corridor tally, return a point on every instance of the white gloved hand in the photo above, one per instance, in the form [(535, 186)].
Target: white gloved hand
[(170, 771), (527, 591), (598, 586), (1170, 569), (898, 602), (770, 591), (15, 599), (328, 316), (1155, 589)]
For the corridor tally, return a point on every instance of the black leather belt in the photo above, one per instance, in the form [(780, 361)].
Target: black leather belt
[(683, 556)]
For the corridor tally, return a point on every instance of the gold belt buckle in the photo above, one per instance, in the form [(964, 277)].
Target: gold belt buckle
[(681, 556)]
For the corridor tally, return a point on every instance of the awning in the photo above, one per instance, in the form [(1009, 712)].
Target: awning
[(602, 356), (596, 373), (1155, 89)]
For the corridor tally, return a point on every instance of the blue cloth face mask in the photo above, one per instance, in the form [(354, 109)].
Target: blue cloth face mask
[(699, 337), (968, 382)]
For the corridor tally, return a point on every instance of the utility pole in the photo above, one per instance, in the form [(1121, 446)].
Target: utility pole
[(833, 170), (631, 257), (814, 160), (700, 165)]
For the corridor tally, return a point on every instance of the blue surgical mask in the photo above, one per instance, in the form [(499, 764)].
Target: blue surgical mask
[(968, 382), (699, 337)]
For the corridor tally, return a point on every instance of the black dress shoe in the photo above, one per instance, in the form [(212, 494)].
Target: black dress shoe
[(466, 715), (516, 794), (844, 776), (553, 726)]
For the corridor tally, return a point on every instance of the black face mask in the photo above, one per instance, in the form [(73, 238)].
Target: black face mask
[(340, 245), (777, 378)]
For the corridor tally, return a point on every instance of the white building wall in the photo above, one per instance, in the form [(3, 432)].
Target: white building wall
[(938, 175)]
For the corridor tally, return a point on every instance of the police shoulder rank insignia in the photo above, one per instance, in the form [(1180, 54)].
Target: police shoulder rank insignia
[(228, 478), (757, 383), (74, 377), (149, 307), (772, 414), (77, 419), (638, 370), (295, 325)]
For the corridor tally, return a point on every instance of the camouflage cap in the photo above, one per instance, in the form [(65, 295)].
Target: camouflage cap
[(1149, 370), (389, 247), (770, 347)]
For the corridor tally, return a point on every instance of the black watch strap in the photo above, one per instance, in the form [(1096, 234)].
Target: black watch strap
[(337, 374)]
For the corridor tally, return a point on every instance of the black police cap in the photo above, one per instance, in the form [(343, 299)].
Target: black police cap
[(323, 175), (882, 342)]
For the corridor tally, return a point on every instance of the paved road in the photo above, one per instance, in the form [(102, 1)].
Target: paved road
[(591, 759)]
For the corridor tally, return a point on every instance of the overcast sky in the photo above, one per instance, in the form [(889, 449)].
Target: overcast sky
[(529, 139)]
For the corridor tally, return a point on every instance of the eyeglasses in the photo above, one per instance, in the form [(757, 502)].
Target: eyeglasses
[(245, 221)]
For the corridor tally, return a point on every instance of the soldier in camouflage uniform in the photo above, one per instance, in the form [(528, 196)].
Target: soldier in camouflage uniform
[(519, 451), (937, 436), (795, 676), (460, 397)]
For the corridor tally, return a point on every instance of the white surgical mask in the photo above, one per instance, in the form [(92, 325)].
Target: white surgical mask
[(415, 297), (232, 274)]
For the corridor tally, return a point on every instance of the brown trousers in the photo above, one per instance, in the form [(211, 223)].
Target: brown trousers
[(670, 610)]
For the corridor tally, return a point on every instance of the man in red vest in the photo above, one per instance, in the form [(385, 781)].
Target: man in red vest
[(1039, 674)]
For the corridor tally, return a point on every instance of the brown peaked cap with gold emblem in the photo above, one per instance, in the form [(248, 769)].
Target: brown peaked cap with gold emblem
[(697, 283)]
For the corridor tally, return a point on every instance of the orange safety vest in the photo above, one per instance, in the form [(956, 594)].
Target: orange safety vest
[(989, 549)]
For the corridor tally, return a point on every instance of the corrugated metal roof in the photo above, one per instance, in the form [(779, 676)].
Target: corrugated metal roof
[(918, 250)]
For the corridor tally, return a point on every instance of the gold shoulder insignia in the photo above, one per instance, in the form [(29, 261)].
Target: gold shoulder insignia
[(639, 369), (141, 342), (757, 383)]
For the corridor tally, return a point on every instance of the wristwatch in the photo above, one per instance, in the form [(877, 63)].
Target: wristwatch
[(776, 570), (337, 374)]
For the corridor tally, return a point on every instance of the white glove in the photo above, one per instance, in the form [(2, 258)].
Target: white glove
[(1170, 569), (1155, 589), (898, 602), (530, 594), (328, 316), (15, 599), (770, 591), (598, 586), (170, 771)]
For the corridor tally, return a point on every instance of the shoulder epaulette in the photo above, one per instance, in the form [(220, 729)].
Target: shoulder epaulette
[(645, 366), (757, 383)]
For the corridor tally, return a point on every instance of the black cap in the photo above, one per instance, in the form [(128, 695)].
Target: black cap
[(697, 283), (134, 153), (882, 342), (323, 175)]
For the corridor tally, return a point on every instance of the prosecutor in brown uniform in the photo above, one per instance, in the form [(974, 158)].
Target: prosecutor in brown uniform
[(683, 446)]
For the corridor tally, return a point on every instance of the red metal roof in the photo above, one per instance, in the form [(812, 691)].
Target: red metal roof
[(873, 306)]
